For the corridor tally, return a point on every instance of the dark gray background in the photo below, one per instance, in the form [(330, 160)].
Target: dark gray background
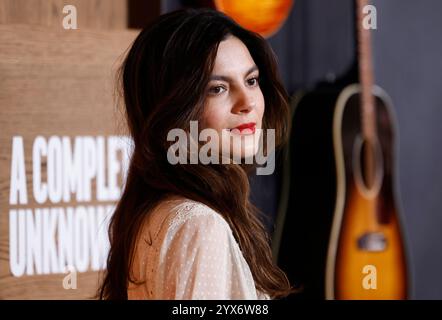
[(317, 43), (408, 65)]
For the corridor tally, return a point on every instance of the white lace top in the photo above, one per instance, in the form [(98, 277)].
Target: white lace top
[(186, 250)]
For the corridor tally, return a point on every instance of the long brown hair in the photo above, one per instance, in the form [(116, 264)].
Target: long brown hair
[(164, 79)]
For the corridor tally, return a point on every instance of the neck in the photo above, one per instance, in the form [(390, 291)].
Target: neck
[(365, 73)]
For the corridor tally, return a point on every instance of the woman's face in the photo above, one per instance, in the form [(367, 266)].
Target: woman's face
[(234, 101)]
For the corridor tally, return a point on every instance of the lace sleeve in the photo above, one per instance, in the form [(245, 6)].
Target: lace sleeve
[(203, 260)]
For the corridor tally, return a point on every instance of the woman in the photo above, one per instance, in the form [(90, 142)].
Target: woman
[(185, 230)]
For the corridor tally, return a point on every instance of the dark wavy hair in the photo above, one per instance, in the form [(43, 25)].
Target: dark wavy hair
[(164, 79)]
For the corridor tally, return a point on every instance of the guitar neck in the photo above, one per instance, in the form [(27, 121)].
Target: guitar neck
[(366, 78)]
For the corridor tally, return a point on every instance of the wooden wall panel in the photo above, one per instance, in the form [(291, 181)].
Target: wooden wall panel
[(52, 82), (92, 14)]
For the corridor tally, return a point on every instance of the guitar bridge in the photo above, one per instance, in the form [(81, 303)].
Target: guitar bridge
[(372, 242)]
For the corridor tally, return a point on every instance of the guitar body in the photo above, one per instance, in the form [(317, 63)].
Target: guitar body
[(366, 256), (328, 244)]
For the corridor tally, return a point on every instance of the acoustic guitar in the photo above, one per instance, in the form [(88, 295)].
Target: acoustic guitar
[(338, 234)]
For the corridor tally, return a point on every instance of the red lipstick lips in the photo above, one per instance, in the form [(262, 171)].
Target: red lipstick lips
[(249, 127)]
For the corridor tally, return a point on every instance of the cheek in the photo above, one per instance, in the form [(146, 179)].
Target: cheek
[(261, 108), (213, 117)]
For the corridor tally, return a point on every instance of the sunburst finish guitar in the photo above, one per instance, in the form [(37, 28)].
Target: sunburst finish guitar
[(346, 241)]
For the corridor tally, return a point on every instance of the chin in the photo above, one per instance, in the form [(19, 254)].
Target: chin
[(247, 146)]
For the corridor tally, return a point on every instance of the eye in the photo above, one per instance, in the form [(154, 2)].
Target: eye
[(216, 89), (253, 81)]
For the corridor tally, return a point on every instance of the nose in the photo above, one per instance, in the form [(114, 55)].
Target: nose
[(244, 103)]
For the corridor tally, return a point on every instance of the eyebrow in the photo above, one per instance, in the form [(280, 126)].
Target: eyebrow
[(227, 79)]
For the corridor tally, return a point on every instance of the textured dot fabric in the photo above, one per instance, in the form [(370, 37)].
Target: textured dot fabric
[(186, 250)]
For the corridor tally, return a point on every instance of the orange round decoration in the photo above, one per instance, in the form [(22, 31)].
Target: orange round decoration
[(262, 16)]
